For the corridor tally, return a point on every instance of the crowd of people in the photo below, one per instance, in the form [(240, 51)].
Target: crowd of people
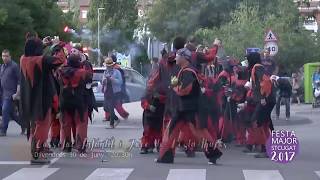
[(198, 102), (195, 99), (51, 97)]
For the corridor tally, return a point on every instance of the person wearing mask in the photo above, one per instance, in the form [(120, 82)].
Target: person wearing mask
[(10, 87)]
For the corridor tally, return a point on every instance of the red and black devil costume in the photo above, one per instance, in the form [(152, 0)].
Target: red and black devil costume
[(185, 119), (38, 92), (73, 105), (239, 96), (228, 106), (153, 104), (264, 99)]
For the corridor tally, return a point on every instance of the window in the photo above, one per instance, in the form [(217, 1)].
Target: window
[(84, 14), (137, 78)]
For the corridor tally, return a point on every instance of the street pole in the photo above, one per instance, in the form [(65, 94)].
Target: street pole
[(99, 51)]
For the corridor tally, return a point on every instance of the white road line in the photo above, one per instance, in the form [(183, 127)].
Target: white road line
[(51, 162), (32, 173), (262, 175), (318, 173), (110, 174), (14, 162), (118, 127), (187, 174)]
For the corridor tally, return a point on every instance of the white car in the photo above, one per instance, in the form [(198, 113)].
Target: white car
[(135, 85)]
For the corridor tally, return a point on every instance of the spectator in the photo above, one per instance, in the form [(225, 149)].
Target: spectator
[(295, 88), (315, 77), (10, 87), (284, 92), (111, 84)]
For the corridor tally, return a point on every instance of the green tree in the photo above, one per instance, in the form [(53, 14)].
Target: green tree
[(3, 15), (41, 16), (248, 26), (168, 18), (117, 23)]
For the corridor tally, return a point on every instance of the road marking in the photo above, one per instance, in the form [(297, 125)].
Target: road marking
[(318, 173), (32, 173), (118, 127), (187, 174), (51, 162), (262, 175), (14, 162), (110, 174)]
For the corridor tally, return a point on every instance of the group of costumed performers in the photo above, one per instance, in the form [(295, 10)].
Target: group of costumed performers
[(56, 96), (194, 100), (199, 103)]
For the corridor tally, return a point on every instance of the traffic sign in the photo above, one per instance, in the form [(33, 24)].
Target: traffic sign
[(270, 37), (252, 50), (272, 47)]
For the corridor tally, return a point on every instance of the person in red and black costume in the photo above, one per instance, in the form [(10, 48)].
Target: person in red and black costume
[(187, 87), (158, 101), (153, 104), (228, 106), (239, 96), (201, 59), (49, 45), (73, 106), (38, 93), (264, 98), (86, 64)]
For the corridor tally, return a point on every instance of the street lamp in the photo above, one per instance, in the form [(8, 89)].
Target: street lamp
[(99, 33)]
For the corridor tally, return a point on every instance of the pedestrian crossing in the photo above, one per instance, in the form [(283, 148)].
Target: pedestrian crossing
[(124, 174), (263, 175), (32, 173), (187, 174)]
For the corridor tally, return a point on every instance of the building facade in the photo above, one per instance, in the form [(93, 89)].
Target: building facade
[(310, 10), (82, 5)]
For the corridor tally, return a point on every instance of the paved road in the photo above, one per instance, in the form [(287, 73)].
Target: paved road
[(234, 165)]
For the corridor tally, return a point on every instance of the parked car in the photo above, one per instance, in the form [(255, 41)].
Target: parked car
[(135, 85)]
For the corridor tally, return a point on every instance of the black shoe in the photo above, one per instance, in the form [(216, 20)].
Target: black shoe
[(249, 149), (3, 134), (190, 153), (144, 150), (67, 147), (23, 131), (167, 158), (82, 151), (39, 161), (55, 142), (217, 154), (262, 155)]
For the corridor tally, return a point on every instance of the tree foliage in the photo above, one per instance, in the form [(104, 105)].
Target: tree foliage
[(41, 16), (118, 21), (168, 18), (3, 15), (249, 25)]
